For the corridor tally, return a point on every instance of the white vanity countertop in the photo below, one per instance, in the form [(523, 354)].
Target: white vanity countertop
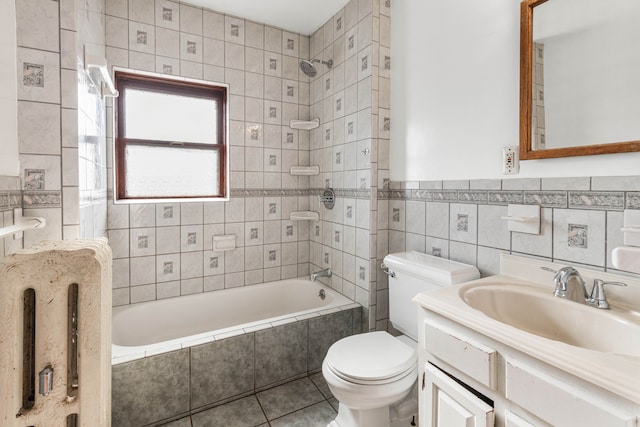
[(619, 374)]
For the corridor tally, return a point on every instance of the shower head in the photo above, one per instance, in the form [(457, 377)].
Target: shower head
[(307, 67)]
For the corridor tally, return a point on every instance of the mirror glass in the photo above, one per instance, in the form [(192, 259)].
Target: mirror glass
[(583, 77)]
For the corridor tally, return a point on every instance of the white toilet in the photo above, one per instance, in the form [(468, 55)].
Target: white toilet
[(373, 375)]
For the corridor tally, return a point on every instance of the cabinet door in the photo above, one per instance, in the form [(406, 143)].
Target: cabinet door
[(448, 404)]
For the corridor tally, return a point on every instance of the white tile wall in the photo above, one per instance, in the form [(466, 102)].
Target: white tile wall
[(252, 58)]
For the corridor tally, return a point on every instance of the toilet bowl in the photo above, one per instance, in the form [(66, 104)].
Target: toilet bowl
[(368, 373), (374, 375)]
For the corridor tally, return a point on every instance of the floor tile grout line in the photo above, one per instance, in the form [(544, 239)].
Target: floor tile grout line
[(269, 421), (262, 409), (324, 399)]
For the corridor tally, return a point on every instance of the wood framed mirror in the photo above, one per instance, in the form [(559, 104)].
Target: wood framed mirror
[(579, 79)]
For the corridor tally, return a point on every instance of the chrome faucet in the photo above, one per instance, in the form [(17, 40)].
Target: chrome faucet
[(570, 285), (322, 273)]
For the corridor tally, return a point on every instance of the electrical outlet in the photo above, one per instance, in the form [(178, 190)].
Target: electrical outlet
[(511, 160)]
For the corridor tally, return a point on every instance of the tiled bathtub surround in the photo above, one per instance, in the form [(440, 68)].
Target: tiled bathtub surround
[(165, 250), (351, 145), (188, 381)]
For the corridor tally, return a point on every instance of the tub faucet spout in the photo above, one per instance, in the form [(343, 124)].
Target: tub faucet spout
[(322, 273)]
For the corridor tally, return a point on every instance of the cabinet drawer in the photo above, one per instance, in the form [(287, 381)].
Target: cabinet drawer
[(558, 403), (468, 356)]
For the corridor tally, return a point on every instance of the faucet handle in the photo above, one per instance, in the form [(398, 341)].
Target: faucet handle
[(598, 297), (560, 280)]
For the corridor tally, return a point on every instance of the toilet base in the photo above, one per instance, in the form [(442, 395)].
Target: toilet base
[(348, 417)]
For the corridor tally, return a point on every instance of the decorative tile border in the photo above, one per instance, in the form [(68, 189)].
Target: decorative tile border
[(351, 193), (479, 197), (597, 200), (422, 195), (633, 200), (248, 192), (42, 199), (506, 197), (445, 196), (546, 199), (10, 200), (10, 194)]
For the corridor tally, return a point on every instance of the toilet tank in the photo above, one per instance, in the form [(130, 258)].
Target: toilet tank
[(415, 272)]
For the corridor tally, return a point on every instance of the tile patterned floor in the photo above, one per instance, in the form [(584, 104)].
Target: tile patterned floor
[(306, 402)]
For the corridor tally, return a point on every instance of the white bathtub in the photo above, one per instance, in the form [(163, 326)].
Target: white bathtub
[(154, 327)]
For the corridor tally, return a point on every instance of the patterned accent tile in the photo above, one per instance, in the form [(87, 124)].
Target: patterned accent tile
[(505, 197), (33, 74), (42, 199), (445, 196), (400, 194), (596, 200), (352, 193), (384, 194), (473, 196), (422, 195), (578, 236), (10, 200), (546, 199), (633, 200), (241, 192)]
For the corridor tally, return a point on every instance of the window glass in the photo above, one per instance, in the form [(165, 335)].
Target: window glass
[(169, 117), (168, 172)]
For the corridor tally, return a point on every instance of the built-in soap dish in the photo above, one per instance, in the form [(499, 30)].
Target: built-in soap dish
[(304, 216), (305, 124), (304, 170), (225, 242)]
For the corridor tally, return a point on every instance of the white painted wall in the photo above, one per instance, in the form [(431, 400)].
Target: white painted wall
[(455, 95), (9, 163)]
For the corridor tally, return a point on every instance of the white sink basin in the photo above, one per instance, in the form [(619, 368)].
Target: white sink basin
[(537, 311)]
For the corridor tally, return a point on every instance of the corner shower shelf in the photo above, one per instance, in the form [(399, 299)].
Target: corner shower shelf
[(304, 216), (304, 170), (304, 124)]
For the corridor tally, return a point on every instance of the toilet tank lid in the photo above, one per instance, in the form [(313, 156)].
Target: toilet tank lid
[(431, 268)]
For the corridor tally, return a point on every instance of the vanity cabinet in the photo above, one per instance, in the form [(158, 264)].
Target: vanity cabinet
[(468, 379)]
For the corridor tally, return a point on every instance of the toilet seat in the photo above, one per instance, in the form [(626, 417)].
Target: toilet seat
[(370, 359)]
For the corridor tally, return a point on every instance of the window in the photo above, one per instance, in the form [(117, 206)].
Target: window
[(170, 140)]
